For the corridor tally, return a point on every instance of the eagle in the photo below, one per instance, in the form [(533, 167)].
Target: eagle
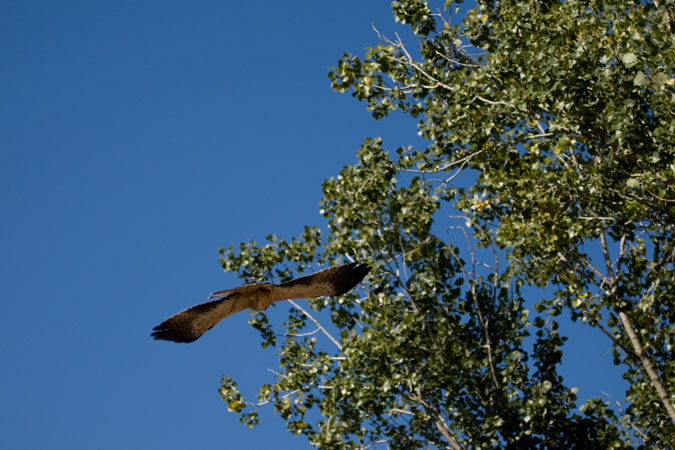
[(190, 324)]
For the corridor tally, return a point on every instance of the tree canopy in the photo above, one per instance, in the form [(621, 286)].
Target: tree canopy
[(560, 116)]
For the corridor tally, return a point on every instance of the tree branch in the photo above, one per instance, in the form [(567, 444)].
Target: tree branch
[(436, 418), (633, 337), (316, 322), (472, 291), (647, 364)]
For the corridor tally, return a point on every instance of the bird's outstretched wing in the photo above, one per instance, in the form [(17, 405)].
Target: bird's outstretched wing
[(190, 324), (327, 282)]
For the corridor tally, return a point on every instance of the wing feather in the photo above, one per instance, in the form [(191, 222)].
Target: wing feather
[(190, 324)]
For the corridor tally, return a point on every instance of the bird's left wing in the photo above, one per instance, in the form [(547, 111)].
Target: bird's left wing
[(328, 282)]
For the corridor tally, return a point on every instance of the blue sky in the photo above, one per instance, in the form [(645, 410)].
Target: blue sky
[(136, 138)]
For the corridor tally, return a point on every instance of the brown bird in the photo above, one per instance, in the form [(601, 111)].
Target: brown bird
[(190, 324)]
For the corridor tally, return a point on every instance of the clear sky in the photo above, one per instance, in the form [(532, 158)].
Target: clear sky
[(137, 137)]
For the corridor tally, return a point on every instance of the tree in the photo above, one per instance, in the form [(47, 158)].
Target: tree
[(561, 116)]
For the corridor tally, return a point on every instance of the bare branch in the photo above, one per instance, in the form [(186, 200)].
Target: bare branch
[(267, 402), (447, 166), (615, 340), (595, 218), (492, 102), (454, 61), (603, 279), (618, 405), (608, 260), (401, 411), (381, 441), (316, 322), (436, 418), (484, 323), (303, 334), (646, 363)]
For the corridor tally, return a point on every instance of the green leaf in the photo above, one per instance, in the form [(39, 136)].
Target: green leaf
[(640, 79), (629, 59)]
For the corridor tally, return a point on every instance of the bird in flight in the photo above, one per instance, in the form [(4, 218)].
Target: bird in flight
[(189, 325)]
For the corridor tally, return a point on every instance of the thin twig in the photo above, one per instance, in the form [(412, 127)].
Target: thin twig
[(481, 319), (615, 340), (316, 322), (645, 439), (303, 334)]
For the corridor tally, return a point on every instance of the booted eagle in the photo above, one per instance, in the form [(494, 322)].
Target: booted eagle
[(190, 324)]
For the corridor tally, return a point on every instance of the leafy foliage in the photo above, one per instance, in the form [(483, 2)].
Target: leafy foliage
[(564, 112)]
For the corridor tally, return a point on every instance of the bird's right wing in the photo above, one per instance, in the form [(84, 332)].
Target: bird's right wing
[(189, 324)]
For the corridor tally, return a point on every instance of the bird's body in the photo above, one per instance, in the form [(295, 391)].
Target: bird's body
[(190, 324)]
